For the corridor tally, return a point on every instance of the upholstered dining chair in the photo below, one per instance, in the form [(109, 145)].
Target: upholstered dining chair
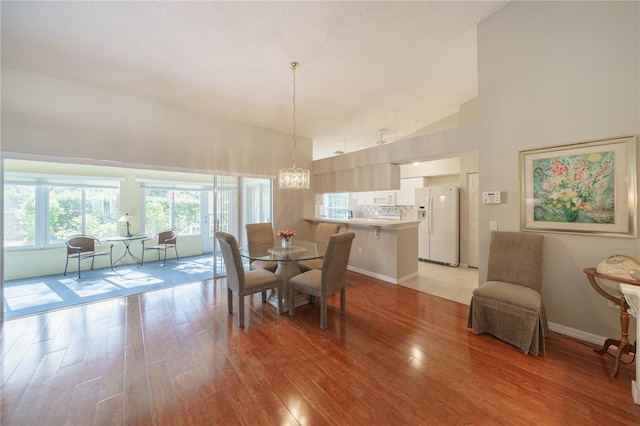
[(242, 282), (162, 241), (323, 232), (85, 247), (260, 236), (509, 304), (327, 281)]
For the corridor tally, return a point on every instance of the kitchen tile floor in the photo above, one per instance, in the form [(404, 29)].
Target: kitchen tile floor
[(444, 281)]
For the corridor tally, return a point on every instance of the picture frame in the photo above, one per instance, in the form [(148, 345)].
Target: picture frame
[(583, 188)]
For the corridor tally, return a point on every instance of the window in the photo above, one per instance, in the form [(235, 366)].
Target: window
[(19, 215), (336, 206), (38, 215), (73, 210), (176, 209)]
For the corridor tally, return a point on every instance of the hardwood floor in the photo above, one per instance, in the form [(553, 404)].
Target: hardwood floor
[(399, 356)]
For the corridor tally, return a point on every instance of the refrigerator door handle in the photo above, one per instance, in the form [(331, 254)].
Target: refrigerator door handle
[(430, 218)]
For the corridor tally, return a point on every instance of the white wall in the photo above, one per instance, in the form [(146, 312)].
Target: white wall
[(555, 73), (46, 117)]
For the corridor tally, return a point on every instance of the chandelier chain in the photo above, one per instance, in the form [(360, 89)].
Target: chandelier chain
[(293, 66)]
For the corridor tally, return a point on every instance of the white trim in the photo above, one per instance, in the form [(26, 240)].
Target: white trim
[(577, 334), (55, 179)]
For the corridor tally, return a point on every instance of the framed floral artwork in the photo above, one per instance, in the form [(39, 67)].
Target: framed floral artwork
[(586, 188)]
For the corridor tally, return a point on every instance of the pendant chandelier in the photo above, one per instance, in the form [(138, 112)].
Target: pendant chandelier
[(294, 178)]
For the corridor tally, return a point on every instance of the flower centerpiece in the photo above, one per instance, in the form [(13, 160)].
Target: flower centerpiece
[(285, 235)]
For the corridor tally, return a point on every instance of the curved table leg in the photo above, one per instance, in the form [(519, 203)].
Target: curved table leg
[(623, 345)]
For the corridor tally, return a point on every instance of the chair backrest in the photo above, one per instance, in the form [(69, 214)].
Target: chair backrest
[(232, 260), (335, 262), (167, 237), (325, 230), (85, 242), (516, 257), (259, 234)]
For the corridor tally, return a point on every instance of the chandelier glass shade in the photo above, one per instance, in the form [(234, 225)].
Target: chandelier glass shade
[(294, 177)]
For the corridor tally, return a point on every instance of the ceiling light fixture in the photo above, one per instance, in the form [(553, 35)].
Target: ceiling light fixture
[(294, 178)]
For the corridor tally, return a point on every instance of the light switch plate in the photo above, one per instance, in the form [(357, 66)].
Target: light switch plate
[(493, 225)]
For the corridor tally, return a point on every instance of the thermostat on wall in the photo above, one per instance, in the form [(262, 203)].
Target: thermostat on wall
[(492, 197)]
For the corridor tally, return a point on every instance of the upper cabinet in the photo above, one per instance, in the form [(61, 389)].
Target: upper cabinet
[(406, 195)]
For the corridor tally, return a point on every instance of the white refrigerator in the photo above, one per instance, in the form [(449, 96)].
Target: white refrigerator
[(438, 234)]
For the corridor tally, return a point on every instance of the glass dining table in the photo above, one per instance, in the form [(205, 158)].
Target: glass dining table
[(287, 259)]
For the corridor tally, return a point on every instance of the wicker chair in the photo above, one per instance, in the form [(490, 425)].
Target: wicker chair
[(509, 305), (162, 241), (323, 232), (84, 247), (328, 281), (243, 282)]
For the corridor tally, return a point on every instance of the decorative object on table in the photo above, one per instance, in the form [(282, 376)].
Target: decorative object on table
[(128, 219), (260, 240), (285, 235), (587, 188), (84, 247), (242, 282), (509, 304), (328, 281), (162, 241), (606, 279), (294, 178)]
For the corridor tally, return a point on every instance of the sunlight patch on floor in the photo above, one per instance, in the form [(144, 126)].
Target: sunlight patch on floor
[(450, 283)]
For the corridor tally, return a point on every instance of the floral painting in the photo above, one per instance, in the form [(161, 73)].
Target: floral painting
[(576, 188), (587, 188)]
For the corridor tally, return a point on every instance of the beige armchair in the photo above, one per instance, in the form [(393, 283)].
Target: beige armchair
[(243, 282), (85, 247), (260, 237), (323, 232), (509, 305), (162, 241), (328, 281)]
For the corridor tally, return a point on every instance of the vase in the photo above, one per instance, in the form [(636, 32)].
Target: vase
[(286, 244)]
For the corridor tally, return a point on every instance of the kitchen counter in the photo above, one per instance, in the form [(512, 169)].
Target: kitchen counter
[(363, 221), (386, 249)]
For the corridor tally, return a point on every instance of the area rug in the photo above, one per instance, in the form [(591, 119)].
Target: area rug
[(40, 294)]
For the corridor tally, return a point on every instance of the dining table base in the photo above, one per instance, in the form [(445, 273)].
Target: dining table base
[(285, 271)]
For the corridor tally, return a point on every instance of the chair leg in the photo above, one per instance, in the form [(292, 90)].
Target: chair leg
[(142, 257), (176, 248), (292, 305), (280, 293), (78, 266), (93, 259), (241, 311), (111, 260), (229, 301), (264, 296), (164, 262), (65, 266), (323, 313), (343, 297)]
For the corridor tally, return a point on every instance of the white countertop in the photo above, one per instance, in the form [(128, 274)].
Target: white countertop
[(366, 221)]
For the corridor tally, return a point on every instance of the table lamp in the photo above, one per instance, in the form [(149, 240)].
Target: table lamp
[(126, 218)]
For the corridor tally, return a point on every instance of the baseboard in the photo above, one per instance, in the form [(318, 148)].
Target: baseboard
[(577, 334), (380, 276)]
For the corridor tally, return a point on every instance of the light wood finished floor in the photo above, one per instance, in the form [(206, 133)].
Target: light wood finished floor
[(398, 357)]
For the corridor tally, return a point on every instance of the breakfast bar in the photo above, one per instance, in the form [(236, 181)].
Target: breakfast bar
[(384, 249)]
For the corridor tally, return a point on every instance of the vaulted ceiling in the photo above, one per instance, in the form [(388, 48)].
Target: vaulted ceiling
[(364, 66)]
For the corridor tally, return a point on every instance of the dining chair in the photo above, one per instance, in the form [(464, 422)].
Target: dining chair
[(260, 237), (509, 304), (162, 241), (84, 247), (323, 232), (327, 281), (242, 282)]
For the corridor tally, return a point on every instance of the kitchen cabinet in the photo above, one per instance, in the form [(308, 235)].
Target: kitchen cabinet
[(406, 195)]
